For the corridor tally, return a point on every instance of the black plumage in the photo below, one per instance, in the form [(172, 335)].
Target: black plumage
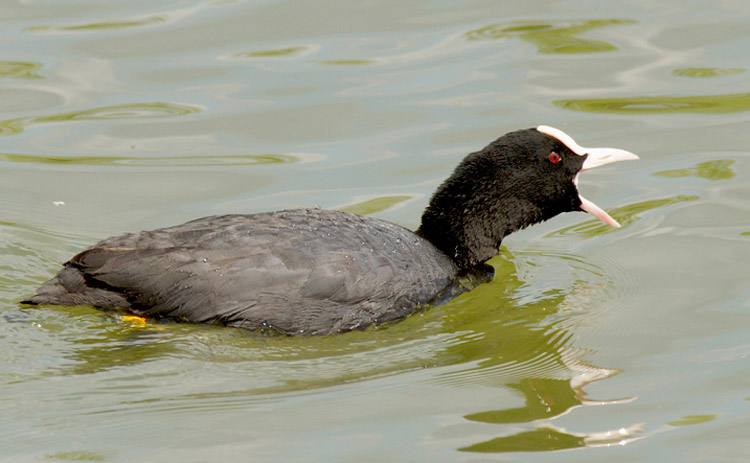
[(313, 271)]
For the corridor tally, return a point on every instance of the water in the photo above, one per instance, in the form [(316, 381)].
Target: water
[(592, 343)]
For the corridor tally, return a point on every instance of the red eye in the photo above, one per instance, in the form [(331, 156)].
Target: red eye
[(554, 158)]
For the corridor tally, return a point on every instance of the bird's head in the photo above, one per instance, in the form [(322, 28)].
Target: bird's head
[(522, 178)]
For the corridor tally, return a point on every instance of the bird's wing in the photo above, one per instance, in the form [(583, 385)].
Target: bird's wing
[(253, 271)]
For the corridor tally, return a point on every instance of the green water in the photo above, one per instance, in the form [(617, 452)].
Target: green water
[(592, 343)]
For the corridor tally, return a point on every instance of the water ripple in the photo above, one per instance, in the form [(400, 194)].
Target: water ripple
[(125, 111), (662, 104), (376, 204), (720, 169), (550, 438), (703, 73), (625, 215), (102, 25), (20, 69), (551, 36), (162, 161), (276, 53)]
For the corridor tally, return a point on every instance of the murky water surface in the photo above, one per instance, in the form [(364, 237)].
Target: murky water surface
[(592, 344)]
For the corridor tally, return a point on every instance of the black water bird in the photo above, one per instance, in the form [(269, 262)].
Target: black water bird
[(313, 271)]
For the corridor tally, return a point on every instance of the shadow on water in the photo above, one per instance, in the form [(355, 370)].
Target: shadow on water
[(116, 345)]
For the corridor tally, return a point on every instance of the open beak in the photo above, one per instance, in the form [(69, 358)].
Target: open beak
[(600, 157), (596, 157)]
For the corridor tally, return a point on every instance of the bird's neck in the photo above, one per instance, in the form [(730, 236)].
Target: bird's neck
[(491, 194), (470, 232)]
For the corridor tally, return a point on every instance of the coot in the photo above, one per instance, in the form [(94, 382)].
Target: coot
[(313, 271)]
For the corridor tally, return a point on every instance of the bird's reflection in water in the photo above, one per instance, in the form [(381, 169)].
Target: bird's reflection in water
[(510, 333), (526, 346)]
